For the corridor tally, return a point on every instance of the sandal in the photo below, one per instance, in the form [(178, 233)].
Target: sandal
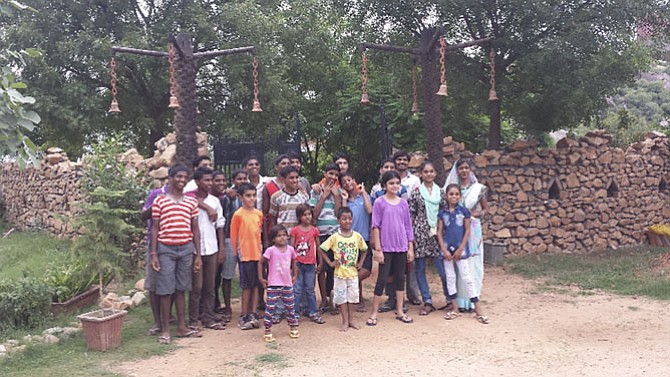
[(317, 319), (416, 301), (268, 338), (360, 308), (451, 315), (294, 334), (483, 319), (191, 334), (216, 326), (427, 309), (164, 339), (334, 311), (154, 331), (404, 319), (386, 307), (371, 321)]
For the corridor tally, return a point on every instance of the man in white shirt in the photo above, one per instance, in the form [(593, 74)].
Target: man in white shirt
[(407, 179), (201, 298), (200, 162)]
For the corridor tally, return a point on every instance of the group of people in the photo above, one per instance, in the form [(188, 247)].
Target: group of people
[(288, 237)]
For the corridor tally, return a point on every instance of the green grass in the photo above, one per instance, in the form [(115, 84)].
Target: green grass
[(29, 254), (71, 358), (631, 271)]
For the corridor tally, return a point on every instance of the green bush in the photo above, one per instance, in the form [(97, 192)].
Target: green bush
[(24, 303)]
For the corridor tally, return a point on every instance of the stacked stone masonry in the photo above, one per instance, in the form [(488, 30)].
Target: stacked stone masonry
[(47, 197), (43, 197), (581, 196)]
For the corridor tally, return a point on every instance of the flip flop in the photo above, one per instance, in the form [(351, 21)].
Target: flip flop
[(268, 338), (164, 339), (427, 309), (361, 308), (483, 319), (154, 331), (191, 334), (371, 321), (216, 326), (405, 319), (317, 319), (451, 315), (294, 334)]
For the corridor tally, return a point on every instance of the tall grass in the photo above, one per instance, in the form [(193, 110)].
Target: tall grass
[(30, 253), (630, 271)]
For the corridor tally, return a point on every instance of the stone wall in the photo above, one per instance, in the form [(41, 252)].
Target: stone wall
[(47, 197), (44, 197), (583, 195)]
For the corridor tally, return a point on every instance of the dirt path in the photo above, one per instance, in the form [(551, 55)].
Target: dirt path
[(531, 334)]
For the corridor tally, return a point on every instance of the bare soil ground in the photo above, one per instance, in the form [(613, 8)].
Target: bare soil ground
[(533, 332)]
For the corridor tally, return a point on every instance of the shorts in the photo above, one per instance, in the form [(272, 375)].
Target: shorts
[(176, 272), (345, 291), (228, 267), (367, 263), (249, 274), (150, 275)]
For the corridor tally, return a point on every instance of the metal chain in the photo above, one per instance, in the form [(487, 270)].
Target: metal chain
[(254, 64), (172, 79), (364, 87), (492, 81), (443, 49), (493, 96), (113, 65)]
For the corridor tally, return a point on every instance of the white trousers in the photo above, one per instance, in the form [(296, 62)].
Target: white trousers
[(466, 277)]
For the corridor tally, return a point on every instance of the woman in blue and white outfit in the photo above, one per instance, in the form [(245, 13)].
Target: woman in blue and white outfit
[(473, 197)]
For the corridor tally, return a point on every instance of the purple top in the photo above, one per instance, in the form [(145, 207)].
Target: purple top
[(148, 203), (394, 223)]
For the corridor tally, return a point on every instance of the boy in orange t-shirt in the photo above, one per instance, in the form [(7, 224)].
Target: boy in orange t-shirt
[(245, 236)]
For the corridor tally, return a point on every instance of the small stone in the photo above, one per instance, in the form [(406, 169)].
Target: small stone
[(69, 332), (50, 339), (139, 285), (12, 343), (52, 331), (503, 233), (138, 298), (3, 349)]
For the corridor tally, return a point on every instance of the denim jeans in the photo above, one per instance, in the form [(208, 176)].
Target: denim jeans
[(304, 284), (421, 280)]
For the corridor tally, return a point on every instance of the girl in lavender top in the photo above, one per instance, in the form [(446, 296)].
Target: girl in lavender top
[(392, 238)]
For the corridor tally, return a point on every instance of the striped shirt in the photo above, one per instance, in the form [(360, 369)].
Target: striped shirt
[(283, 205), (174, 219), (327, 221)]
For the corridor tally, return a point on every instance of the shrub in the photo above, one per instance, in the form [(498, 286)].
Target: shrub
[(24, 303)]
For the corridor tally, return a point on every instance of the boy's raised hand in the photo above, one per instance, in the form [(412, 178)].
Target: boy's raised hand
[(344, 195)]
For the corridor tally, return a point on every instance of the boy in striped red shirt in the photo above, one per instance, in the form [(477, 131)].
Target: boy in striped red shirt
[(175, 249)]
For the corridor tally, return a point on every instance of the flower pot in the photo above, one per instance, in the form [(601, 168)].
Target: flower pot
[(79, 301), (102, 328)]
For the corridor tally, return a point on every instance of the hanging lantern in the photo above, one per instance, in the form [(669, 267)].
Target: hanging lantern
[(365, 100), (174, 102), (415, 102), (493, 96), (256, 108), (443, 79), (114, 107)]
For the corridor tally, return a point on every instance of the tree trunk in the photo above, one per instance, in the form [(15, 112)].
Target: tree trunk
[(432, 120), (185, 116)]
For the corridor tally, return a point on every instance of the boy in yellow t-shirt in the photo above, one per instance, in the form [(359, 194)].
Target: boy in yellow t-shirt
[(345, 245)]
